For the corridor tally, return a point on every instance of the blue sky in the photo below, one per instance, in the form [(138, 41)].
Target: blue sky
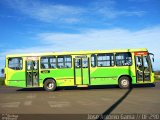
[(28, 26)]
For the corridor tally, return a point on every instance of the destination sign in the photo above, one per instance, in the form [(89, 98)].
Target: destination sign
[(31, 58), (141, 53)]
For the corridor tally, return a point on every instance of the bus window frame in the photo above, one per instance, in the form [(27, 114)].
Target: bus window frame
[(48, 62), (107, 60), (94, 61), (123, 65), (14, 58), (63, 62)]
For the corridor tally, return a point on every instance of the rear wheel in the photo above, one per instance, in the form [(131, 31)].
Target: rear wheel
[(124, 82), (49, 85)]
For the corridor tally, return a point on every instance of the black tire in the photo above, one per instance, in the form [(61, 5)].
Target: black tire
[(50, 85), (124, 82)]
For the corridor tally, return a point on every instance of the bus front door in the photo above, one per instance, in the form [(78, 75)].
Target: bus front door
[(81, 71), (32, 73), (143, 68)]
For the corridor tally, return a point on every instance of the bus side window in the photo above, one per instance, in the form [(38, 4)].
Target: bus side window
[(42, 66), (105, 60), (123, 59), (35, 65), (93, 60), (52, 62), (68, 61), (60, 62), (139, 62), (78, 63), (29, 65), (48, 62), (15, 63), (85, 62), (64, 61)]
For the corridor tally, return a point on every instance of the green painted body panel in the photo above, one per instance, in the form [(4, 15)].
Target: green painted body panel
[(63, 77), (108, 75), (85, 76), (17, 83), (78, 75), (104, 81), (134, 81), (16, 75), (65, 82), (15, 78), (81, 76)]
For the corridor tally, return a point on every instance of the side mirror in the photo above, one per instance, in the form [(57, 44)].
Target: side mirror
[(152, 55), (2, 71)]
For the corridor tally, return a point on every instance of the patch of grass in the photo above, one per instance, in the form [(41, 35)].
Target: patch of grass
[(1, 81), (157, 75), (157, 79)]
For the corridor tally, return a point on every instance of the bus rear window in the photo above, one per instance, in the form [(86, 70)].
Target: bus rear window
[(15, 63)]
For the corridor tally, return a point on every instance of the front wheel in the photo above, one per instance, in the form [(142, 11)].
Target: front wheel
[(49, 85), (124, 82)]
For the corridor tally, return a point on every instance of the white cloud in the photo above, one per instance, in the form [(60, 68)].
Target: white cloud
[(70, 14), (46, 12), (97, 40), (108, 10), (111, 38)]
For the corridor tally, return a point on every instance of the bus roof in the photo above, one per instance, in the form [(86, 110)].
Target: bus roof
[(77, 52)]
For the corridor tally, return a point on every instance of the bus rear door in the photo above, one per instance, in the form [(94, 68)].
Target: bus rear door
[(32, 71)]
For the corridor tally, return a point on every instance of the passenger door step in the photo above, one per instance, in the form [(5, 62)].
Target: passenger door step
[(82, 85)]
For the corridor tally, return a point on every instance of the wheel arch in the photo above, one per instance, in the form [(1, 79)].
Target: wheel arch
[(130, 78), (49, 78)]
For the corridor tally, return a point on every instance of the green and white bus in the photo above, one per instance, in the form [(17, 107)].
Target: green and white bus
[(122, 67)]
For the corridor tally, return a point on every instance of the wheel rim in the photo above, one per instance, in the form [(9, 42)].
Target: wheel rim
[(124, 82), (50, 85)]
